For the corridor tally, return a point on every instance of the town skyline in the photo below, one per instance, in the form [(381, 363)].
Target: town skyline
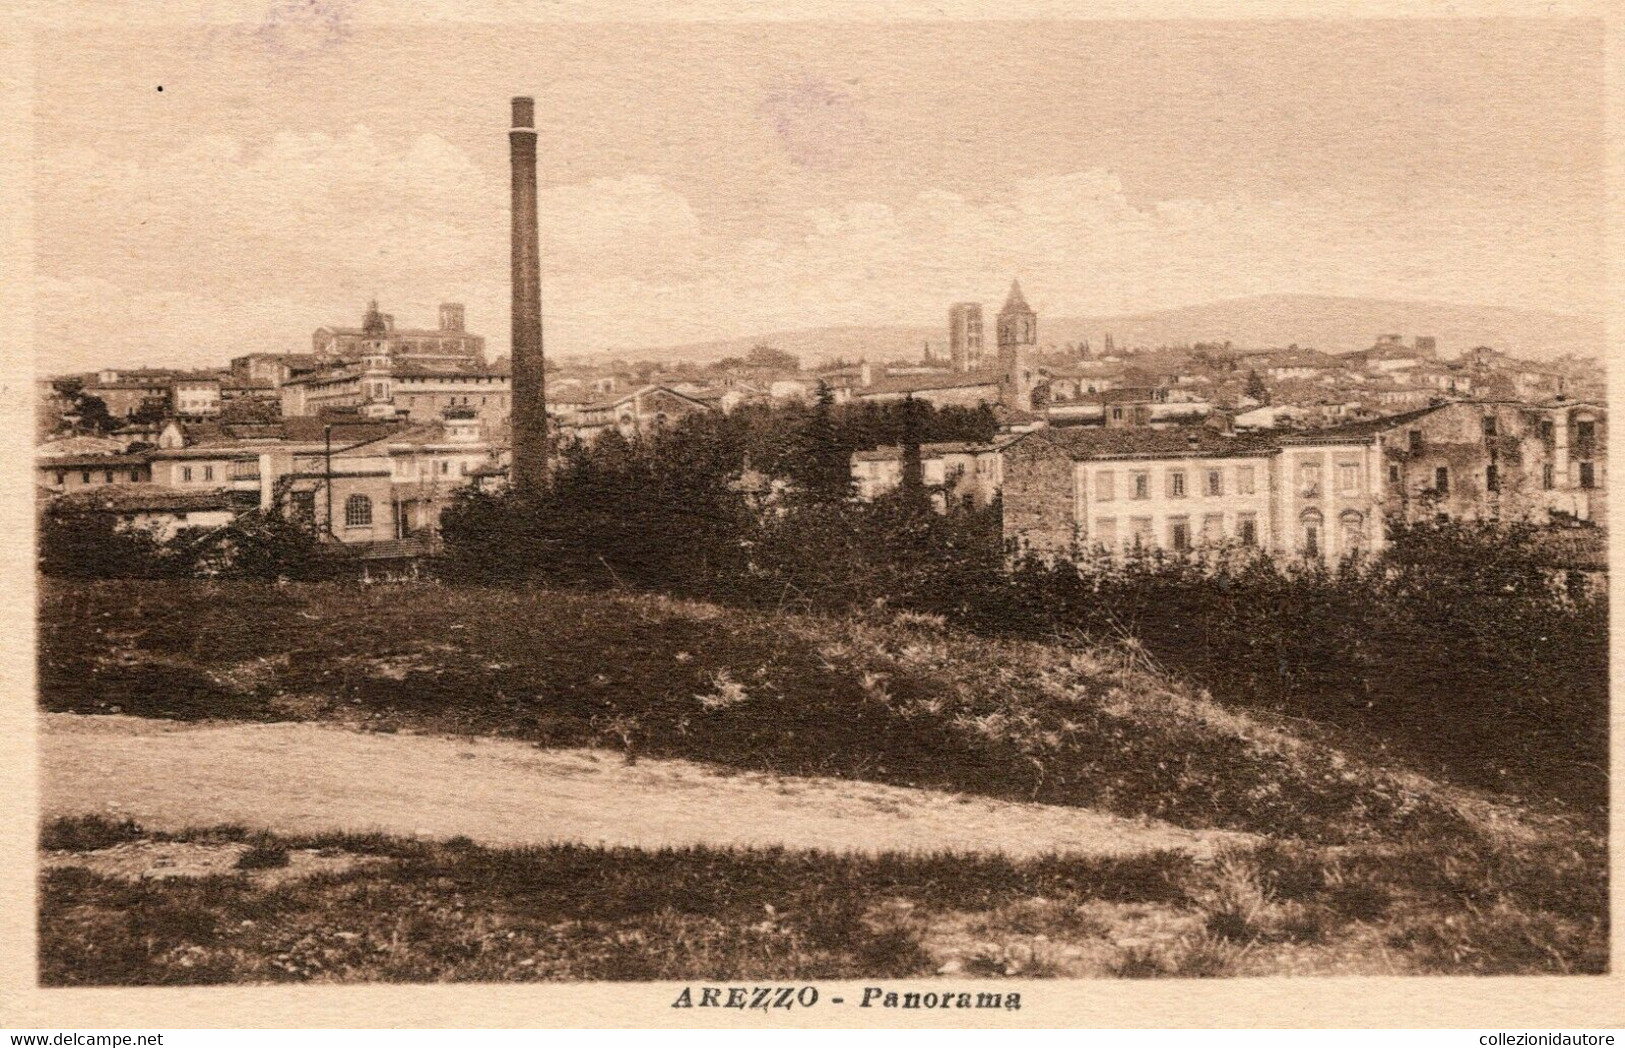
[(1104, 201)]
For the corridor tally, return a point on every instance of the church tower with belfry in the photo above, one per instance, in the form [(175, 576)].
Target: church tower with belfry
[(1018, 341)]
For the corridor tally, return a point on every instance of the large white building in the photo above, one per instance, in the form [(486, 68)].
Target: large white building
[(1072, 492)]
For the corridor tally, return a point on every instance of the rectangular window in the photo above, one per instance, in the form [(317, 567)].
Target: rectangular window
[(186, 474), (1179, 533), (1309, 480), (1548, 432), (1441, 480), (208, 472), (1106, 532), (1588, 475), (1348, 478), (1416, 442), (1176, 483), (61, 478), (1247, 528), (1393, 474), (1489, 426), (84, 476), (1215, 482), (1213, 528), (1244, 480), (1141, 532), (1548, 477), (108, 476), (1105, 486), (1492, 477), (1142, 485)]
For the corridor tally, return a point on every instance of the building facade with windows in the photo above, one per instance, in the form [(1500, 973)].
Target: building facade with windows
[(81, 472), (634, 413), (449, 343), (954, 474), (1102, 491), (1500, 460)]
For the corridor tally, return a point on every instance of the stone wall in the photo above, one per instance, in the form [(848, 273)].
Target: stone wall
[(1039, 497)]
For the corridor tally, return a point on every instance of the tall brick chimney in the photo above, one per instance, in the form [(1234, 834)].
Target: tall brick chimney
[(529, 384)]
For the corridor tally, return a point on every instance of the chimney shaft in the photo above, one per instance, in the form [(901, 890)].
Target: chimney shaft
[(529, 391)]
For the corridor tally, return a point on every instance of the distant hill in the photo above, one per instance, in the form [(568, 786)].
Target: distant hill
[(1323, 322), (810, 344)]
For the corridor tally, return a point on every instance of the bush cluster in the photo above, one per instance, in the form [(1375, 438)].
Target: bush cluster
[(79, 543), (1457, 646)]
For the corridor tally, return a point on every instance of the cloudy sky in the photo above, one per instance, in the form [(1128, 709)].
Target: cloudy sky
[(715, 181)]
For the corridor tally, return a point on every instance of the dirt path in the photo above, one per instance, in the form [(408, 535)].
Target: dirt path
[(301, 778)]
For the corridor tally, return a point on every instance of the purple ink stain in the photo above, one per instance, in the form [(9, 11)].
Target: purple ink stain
[(819, 125), (303, 27)]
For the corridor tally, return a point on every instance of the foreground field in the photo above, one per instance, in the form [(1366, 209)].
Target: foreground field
[(314, 778), (121, 906), (1365, 866)]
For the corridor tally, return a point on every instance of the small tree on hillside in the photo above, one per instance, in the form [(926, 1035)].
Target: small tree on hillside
[(1256, 388), (94, 416), (764, 355), (819, 462), (913, 485)]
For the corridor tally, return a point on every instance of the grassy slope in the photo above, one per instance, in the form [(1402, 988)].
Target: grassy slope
[(900, 702), (1370, 859), (424, 911)]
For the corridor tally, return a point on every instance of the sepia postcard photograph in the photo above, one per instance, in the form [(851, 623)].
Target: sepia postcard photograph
[(847, 517)]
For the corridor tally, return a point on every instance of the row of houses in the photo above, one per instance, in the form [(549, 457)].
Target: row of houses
[(359, 482), (1068, 490)]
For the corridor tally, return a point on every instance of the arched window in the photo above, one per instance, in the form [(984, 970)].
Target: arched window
[(1309, 527), (357, 511), (1353, 525)]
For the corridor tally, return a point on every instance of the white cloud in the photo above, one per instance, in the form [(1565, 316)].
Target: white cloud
[(218, 249)]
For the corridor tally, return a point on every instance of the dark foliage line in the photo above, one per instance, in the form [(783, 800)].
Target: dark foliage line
[(1457, 645)]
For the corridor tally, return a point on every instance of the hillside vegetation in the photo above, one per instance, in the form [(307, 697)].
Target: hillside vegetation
[(902, 700), (1366, 866)]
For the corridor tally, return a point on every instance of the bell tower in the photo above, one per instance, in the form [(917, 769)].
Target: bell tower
[(1018, 338)]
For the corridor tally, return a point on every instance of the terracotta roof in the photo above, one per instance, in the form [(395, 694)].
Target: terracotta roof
[(79, 446), (137, 498), (1187, 442), (890, 452), (614, 402), (296, 429), (922, 383), (1015, 302), (1371, 427), (120, 461), (401, 332), (409, 368)]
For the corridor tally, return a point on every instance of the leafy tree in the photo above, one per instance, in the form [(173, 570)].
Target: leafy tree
[(152, 411), (764, 355), (820, 465), (912, 489), (93, 414), (268, 545), (76, 541), (1256, 389)]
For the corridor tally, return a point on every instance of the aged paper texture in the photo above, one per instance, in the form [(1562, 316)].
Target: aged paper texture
[(987, 515)]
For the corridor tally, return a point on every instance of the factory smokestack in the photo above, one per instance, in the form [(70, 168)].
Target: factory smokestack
[(530, 444)]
